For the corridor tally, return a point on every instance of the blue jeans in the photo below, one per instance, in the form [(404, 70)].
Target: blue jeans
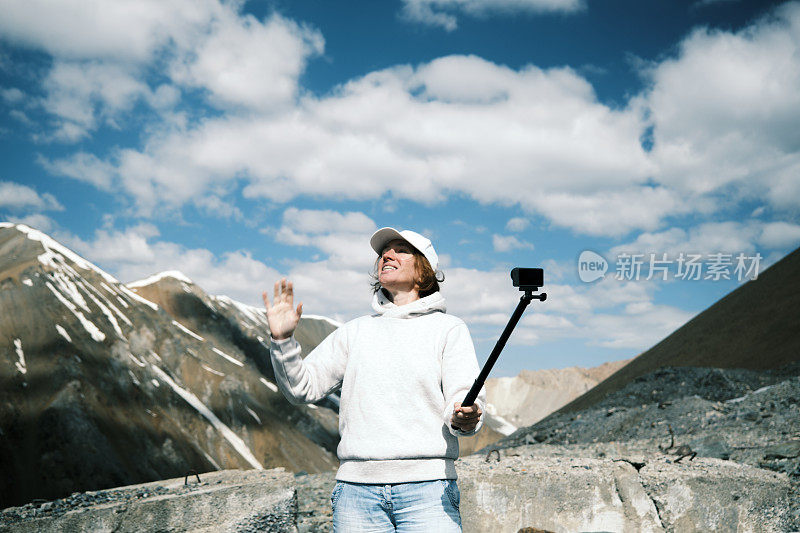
[(423, 506)]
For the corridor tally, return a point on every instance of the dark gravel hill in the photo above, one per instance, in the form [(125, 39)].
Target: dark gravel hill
[(756, 327), (742, 415)]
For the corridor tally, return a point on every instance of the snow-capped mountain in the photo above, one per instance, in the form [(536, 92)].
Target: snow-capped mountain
[(103, 384)]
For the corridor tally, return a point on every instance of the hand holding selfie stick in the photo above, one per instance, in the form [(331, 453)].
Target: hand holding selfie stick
[(528, 280)]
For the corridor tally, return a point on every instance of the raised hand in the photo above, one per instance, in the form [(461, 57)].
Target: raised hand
[(281, 315)]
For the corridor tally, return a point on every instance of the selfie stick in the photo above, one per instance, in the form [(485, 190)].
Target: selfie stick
[(501, 342)]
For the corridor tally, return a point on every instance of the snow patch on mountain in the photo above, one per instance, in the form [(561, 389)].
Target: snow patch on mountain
[(107, 312), (93, 330), (155, 278), (61, 331), (94, 294), (133, 296), (136, 360), (330, 321), (21, 365), (187, 331), (53, 249), (215, 372), (237, 443), (253, 414), (228, 357), (256, 314), (270, 386), (746, 396)]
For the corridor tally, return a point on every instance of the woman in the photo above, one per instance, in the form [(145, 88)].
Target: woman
[(403, 373)]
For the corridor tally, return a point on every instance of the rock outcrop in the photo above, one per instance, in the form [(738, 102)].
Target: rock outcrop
[(523, 489), (226, 501), (515, 489)]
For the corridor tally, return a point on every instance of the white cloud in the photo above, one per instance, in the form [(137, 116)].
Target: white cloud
[(506, 243), (103, 52), (79, 93), (725, 111), (332, 289), (215, 205), (780, 235), (132, 254), (639, 327), (616, 314), (12, 95), (610, 212), (129, 247), (126, 30), (36, 221), (326, 221), (19, 197), (517, 224), (715, 237), (21, 117), (443, 12), (244, 62), (415, 133), (343, 237), (609, 313), (164, 97), (420, 11), (82, 166)]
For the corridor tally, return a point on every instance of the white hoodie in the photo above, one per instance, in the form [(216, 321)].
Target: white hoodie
[(400, 372)]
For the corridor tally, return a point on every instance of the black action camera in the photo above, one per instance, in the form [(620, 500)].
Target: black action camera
[(527, 278)]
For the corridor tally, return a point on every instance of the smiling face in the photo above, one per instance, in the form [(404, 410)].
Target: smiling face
[(397, 267)]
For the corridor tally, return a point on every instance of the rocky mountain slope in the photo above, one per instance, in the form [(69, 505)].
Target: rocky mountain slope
[(530, 396), (533, 394), (745, 416), (102, 387)]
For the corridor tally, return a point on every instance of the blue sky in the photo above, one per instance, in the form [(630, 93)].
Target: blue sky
[(243, 141)]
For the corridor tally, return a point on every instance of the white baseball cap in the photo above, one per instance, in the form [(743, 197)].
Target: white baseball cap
[(381, 237)]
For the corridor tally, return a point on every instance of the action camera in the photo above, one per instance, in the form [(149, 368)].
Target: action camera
[(527, 278)]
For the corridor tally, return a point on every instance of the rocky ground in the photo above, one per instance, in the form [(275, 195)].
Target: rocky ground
[(228, 500), (744, 416), (314, 501), (741, 417)]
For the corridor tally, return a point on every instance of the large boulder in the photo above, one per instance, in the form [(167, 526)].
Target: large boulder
[(229, 500), (574, 494)]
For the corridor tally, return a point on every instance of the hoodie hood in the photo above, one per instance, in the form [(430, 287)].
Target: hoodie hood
[(430, 304)]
